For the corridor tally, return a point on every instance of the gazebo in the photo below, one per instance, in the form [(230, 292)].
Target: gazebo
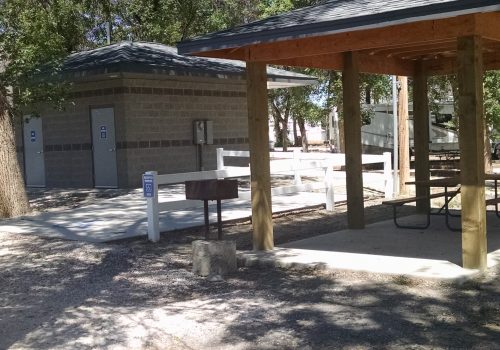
[(418, 38)]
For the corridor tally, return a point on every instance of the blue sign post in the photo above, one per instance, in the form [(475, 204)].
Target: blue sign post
[(148, 185)]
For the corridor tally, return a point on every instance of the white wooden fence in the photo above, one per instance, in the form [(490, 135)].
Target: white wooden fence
[(282, 163)]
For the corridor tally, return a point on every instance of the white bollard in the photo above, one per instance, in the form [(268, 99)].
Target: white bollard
[(296, 166), (150, 188), (330, 189), (388, 178), (220, 159)]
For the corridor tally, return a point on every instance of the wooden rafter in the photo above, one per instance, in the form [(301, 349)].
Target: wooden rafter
[(412, 48), (444, 66), (368, 63)]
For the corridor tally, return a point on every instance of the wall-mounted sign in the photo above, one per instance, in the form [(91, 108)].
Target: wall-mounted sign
[(104, 132), (33, 136), (148, 187)]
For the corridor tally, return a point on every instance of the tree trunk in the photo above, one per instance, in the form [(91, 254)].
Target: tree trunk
[(13, 199), (296, 141), (284, 132), (277, 121), (341, 136), (303, 134), (488, 166), (404, 139), (368, 95)]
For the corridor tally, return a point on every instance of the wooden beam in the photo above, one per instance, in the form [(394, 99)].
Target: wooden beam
[(258, 132), (411, 48), (488, 25), (427, 54), (421, 133), (491, 61), (448, 65), (471, 138), (352, 132), (420, 34), (417, 32), (374, 64)]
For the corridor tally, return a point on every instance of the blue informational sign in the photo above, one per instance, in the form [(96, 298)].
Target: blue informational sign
[(104, 132), (33, 136), (148, 185)]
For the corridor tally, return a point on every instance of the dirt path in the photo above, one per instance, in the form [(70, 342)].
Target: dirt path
[(135, 295)]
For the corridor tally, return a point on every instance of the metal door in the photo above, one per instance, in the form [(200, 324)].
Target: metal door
[(34, 160), (104, 147)]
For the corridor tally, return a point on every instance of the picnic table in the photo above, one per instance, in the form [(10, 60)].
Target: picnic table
[(451, 186)]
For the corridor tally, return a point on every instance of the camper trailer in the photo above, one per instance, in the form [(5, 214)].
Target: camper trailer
[(377, 136)]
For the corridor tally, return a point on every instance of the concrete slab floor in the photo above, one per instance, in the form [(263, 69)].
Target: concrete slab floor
[(383, 248)]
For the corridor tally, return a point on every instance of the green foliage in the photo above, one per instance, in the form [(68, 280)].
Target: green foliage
[(275, 7), (444, 88), (492, 102), (170, 21), (35, 36)]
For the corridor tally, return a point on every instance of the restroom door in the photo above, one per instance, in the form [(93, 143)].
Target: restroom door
[(34, 160), (104, 147)]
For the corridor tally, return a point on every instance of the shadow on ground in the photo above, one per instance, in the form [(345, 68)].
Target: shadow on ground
[(57, 294)]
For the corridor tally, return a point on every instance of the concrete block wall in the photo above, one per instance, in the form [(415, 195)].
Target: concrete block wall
[(153, 123), (159, 123), (73, 167)]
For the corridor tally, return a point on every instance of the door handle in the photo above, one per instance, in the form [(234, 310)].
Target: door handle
[(112, 149), (39, 152)]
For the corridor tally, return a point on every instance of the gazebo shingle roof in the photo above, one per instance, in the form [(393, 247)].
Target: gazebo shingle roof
[(335, 16)]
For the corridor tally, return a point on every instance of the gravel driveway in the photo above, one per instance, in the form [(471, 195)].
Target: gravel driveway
[(135, 295)]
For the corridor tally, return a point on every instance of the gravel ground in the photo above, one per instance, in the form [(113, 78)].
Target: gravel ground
[(59, 294)]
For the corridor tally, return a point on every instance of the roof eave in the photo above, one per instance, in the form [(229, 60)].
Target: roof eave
[(205, 46)]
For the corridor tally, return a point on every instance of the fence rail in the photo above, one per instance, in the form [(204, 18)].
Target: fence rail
[(281, 163)]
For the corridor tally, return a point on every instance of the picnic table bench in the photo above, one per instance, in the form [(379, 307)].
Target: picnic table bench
[(448, 195), (396, 203)]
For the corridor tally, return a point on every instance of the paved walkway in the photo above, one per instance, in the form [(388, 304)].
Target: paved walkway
[(125, 216)]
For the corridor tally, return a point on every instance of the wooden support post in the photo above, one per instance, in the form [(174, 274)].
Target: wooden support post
[(404, 140), (352, 134), (421, 133), (258, 132), (471, 137)]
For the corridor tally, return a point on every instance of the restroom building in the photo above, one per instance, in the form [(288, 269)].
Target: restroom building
[(138, 107)]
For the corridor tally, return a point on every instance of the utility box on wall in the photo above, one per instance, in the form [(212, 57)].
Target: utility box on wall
[(203, 132)]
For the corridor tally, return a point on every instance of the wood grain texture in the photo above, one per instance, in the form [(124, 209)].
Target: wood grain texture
[(471, 138), (421, 133), (352, 133), (258, 132)]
